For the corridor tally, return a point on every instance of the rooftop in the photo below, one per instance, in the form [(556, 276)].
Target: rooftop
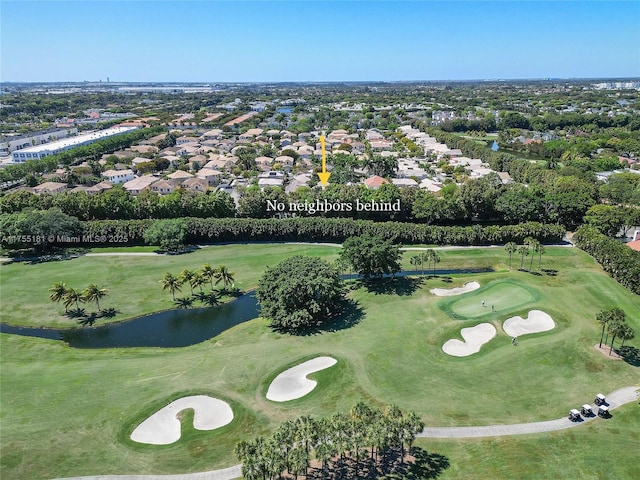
[(77, 140)]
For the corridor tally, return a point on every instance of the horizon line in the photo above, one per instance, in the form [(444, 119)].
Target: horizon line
[(201, 82)]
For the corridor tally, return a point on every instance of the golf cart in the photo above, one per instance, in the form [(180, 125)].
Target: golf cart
[(574, 415), (586, 410), (600, 399), (603, 411)]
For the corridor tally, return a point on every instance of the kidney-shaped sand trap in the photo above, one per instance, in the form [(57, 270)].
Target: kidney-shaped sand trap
[(536, 321), (448, 292), (293, 383), (163, 427), (474, 338)]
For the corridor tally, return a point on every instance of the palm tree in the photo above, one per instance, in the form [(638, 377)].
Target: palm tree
[(626, 333), (225, 276), (510, 247), (540, 253), (186, 276), (172, 284), (73, 296), (602, 318), (435, 258), (616, 327), (246, 453), (299, 461), (523, 251), (209, 273), (394, 419), (415, 261), (93, 294), (198, 281), (534, 244), (414, 426), (616, 315), (58, 292)]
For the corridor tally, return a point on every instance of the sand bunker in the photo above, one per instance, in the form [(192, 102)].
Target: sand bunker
[(163, 427), (474, 338), (448, 292), (537, 321), (292, 383)]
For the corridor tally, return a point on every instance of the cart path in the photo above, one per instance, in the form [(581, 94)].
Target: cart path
[(614, 399), (224, 474)]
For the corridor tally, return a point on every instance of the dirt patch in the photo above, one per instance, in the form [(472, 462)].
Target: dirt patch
[(604, 350)]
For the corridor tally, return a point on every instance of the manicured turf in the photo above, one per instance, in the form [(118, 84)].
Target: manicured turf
[(601, 450), (133, 281), (69, 412), (505, 296)]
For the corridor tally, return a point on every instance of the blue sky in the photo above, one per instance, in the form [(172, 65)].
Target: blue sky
[(217, 41)]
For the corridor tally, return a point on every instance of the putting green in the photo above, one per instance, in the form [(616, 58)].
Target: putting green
[(505, 296)]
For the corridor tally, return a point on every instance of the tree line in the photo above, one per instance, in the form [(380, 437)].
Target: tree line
[(367, 442), (562, 199), (331, 230), (617, 259), (117, 204), (53, 223)]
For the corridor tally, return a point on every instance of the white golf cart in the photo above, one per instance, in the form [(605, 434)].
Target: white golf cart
[(574, 415)]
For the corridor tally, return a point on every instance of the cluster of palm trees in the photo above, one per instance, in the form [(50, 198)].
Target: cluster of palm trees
[(365, 439), (531, 246), (197, 279), (614, 321), (430, 256), (60, 292)]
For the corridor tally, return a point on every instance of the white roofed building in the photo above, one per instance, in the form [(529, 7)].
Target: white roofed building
[(51, 148)]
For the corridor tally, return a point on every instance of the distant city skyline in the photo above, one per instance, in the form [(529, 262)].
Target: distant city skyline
[(269, 41)]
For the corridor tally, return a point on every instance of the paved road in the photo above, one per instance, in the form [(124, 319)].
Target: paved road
[(615, 399)]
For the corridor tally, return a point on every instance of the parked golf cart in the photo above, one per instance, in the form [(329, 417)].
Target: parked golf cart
[(586, 410), (603, 411), (600, 399), (574, 415)]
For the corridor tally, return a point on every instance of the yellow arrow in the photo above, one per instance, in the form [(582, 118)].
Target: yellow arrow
[(324, 175)]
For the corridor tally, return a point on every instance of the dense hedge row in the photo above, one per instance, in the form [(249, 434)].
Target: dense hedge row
[(327, 230), (617, 259)]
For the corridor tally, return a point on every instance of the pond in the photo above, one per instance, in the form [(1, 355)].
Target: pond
[(173, 328), (285, 110)]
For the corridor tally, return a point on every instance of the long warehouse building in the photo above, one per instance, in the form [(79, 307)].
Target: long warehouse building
[(46, 149)]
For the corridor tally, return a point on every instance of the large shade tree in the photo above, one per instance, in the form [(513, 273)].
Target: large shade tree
[(371, 256), (300, 292)]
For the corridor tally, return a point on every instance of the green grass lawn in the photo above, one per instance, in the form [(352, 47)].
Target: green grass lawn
[(600, 450), (505, 296), (69, 412), (133, 281)]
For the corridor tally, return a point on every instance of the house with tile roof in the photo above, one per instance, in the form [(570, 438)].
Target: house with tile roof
[(375, 181)]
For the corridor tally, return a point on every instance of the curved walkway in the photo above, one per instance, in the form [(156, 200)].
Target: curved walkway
[(615, 399)]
